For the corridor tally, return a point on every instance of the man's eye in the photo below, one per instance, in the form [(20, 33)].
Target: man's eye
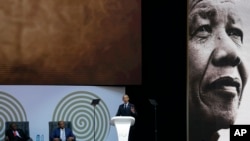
[(204, 28), (203, 31), (235, 34)]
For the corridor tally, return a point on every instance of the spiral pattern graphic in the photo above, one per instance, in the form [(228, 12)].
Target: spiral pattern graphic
[(10, 110), (76, 107)]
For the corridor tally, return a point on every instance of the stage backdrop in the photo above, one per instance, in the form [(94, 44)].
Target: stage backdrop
[(80, 42), (41, 104)]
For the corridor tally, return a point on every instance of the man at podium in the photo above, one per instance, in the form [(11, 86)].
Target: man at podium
[(128, 109)]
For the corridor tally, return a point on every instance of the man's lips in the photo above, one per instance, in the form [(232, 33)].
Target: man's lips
[(226, 85)]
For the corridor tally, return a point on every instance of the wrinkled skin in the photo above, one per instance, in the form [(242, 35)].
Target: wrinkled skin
[(217, 73)]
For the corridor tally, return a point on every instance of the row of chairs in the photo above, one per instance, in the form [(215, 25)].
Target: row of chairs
[(24, 125)]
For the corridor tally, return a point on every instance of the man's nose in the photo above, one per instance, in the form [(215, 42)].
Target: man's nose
[(226, 52)]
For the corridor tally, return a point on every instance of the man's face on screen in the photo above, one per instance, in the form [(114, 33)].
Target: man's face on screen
[(216, 67)]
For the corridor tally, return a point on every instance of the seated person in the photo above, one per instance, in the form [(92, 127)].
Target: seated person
[(62, 134), (16, 134)]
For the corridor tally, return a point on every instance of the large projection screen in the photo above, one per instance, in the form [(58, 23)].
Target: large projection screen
[(41, 104), (82, 42), (206, 38)]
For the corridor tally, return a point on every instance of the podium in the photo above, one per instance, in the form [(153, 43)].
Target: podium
[(122, 125)]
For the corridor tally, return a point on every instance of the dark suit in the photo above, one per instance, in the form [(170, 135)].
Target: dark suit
[(9, 133), (127, 112), (56, 133)]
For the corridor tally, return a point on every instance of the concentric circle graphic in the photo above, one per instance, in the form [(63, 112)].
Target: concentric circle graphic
[(76, 107), (10, 110)]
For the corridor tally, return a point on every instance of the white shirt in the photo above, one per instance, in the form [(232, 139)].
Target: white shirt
[(62, 134), (125, 105), (17, 134)]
